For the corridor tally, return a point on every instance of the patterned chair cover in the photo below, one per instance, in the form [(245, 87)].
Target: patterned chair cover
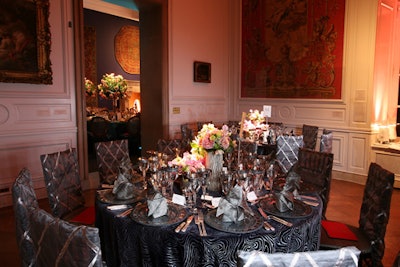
[(170, 147), (109, 156), (63, 185), (59, 243), (375, 210), (310, 136), (288, 148), (345, 257), (24, 203), (326, 141), (374, 216), (315, 168), (134, 135)]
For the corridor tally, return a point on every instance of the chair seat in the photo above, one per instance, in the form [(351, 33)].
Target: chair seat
[(362, 242), (84, 215)]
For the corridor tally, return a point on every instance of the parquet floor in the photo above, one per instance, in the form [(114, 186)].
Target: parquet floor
[(344, 206)]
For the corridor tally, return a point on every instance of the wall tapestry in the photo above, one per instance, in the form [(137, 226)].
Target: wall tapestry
[(127, 50), (25, 42), (292, 48)]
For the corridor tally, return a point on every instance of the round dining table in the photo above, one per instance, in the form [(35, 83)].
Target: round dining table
[(125, 241)]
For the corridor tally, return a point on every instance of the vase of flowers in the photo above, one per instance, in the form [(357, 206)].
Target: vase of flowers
[(211, 143), (113, 87)]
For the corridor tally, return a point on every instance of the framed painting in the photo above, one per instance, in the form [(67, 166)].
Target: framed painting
[(25, 42), (292, 49), (201, 72)]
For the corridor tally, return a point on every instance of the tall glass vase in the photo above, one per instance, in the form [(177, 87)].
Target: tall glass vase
[(214, 162)]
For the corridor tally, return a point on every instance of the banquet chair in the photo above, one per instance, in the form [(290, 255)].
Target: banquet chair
[(326, 141), (109, 156), (188, 132), (63, 185), (287, 150), (59, 243), (171, 147), (343, 257), (24, 203), (315, 169), (369, 236), (310, 136), (133, 128)]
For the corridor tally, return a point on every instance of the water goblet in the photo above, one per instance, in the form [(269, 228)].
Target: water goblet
[(227, 182), (271, 176), (204, 175), (143, 167), (229, 159)]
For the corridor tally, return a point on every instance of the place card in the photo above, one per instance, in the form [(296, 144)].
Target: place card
[(206, 198), (215, 201), (178, 199), (251, 196)]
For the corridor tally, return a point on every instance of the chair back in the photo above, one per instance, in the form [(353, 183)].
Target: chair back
[(345, 257), (59, 243), (98, 128), (63, 182), (326, 141), (170, 147), (287, 150), (375, 209), (109, 156), (24, 203), (310, 136), (133, 126), (315, 168)]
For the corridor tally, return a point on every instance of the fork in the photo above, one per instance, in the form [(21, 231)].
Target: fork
[(196, 221), (201, 220)]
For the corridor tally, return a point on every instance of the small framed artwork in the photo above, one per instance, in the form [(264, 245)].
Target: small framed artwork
[(25, 42), (202, 72)]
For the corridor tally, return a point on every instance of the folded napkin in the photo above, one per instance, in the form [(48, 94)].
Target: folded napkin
[(285, 198), (157, 206), (284, 201), (123, 187), (233, 206)]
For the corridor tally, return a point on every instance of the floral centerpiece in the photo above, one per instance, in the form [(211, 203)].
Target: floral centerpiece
[(90, 88), (113, 86), (188, 162), (212, 139)]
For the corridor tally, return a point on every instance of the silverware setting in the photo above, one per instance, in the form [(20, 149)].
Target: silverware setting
[(188, 221), (272, 217), (201, 219), (179, 228), (125, 213)]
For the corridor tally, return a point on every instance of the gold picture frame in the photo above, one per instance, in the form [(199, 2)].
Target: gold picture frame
[(25, 42), (202, 72)]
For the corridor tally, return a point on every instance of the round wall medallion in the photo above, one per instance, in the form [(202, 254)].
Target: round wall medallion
[(4, 114), (127, 49)]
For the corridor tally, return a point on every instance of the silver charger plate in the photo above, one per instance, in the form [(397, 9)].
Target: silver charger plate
[(108, 197), (176, 214), (248, 225), (300, 209)]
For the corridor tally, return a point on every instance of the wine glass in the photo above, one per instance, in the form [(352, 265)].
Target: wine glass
[(204, 175), (143, 167), (227, 182), (229, 159), (271, 176)]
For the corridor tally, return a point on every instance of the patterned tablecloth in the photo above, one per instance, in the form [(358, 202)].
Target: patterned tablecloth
[(128, 243)]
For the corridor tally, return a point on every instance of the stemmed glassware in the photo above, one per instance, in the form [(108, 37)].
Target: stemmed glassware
[(271, 176), (227, 182), (229, 158), (203, 176), (143, 167)]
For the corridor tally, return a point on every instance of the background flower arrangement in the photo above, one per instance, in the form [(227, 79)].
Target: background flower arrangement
[(90, 88), (113, 86), (255, 119)]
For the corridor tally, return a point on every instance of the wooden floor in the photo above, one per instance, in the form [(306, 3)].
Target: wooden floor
[(344, 206)]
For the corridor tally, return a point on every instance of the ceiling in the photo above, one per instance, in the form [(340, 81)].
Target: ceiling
[(120, 8), (130, 4)]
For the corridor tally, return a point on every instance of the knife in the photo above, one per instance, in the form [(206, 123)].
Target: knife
[(179, 228), (188, 221)]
